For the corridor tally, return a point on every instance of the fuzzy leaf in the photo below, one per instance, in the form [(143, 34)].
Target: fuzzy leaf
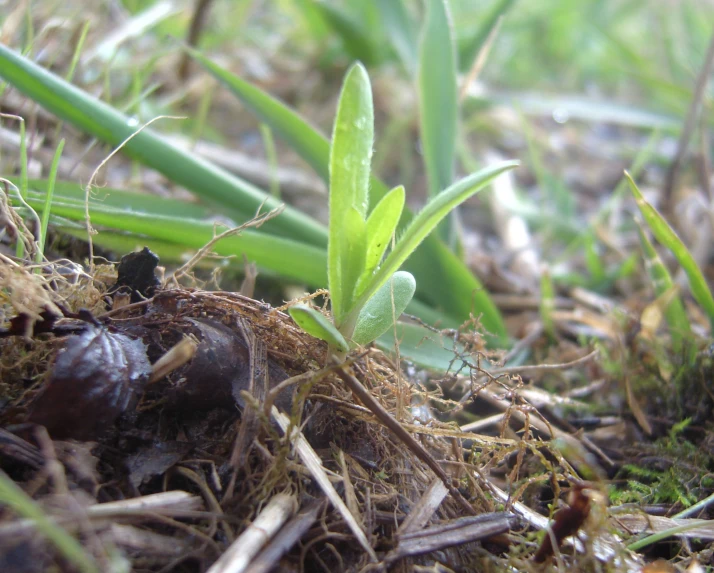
[(350, 158), (381, 225), (381, 311), (353, 240), (315, 323)]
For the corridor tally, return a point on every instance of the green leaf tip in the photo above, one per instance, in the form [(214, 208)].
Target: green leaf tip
[(315, 323), (350, 160)]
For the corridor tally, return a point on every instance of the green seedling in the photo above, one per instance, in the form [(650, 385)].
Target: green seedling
[(367, 290), (445, 283)]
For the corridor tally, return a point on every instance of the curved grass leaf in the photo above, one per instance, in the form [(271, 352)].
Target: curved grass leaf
[(310, 144), (443, 280), (384, 308), (111, 126), (668, 238), (317, 324), (121, 243), (662, 282), (350, 160), (438, 99)]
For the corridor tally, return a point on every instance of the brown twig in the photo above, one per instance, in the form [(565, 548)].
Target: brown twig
[(198, 19), (392, 424), (689, 125)]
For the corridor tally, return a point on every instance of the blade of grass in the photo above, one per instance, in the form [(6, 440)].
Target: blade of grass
[(662, 282), (77, 51), (290, 258), (106, 123), (120, 243), (401, 31), (668, 238), (662, 535), (47, 208), (12, 496), (73, 64), (270, 153), (71, 192), (357, 41), (312, 146), (576, 107), (133, 27), (442, 279), (438, 99), (446, 284), (20, 248)]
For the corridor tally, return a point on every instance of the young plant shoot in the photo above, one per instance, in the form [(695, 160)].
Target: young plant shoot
[(368, 292)]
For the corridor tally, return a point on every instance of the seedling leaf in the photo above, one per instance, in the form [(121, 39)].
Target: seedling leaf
[(381, 225), (315, 323), (384, 308), (350, 158)]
